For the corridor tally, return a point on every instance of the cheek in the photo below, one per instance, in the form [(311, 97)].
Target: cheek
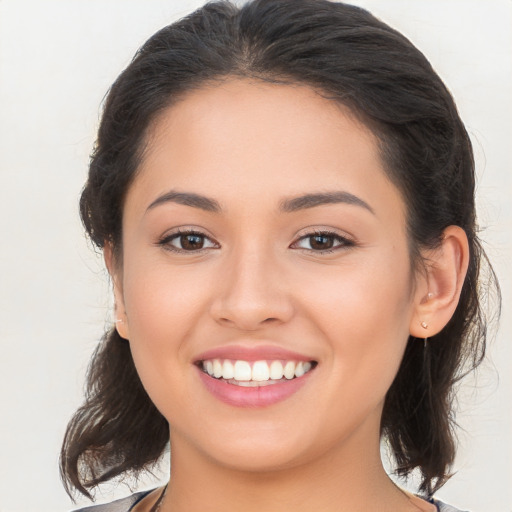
[(365, 295), (364, 311), (160, 298), (163, 305)]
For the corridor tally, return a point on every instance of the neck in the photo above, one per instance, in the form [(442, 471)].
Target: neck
[(347, 478)]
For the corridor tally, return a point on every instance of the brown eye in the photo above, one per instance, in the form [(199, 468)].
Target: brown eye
[(191, 242), (186, 241), (323, 242)]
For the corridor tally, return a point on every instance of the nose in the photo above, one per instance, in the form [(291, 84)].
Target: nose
[(252, 293)]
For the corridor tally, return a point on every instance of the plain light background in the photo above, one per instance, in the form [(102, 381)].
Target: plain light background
[(57, 59)]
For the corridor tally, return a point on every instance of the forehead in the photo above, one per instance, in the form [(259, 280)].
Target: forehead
[(252, 141), (256, 111)]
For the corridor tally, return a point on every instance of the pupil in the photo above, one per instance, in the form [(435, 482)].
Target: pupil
[(191, 242)]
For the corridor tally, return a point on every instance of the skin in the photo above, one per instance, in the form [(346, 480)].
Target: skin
[(259, 280)]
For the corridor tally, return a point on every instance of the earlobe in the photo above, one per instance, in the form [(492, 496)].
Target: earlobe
[(121, 320), (438, 293)]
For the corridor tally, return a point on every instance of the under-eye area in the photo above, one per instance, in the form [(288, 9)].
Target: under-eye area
[(255, 373)]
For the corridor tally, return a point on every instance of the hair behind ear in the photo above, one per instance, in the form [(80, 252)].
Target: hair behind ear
[(418, 418), (417, 414), (117, 429)]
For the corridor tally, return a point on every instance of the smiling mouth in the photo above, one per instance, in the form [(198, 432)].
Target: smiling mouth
[(255, 373)]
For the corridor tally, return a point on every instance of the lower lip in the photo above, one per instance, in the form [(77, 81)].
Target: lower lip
[(259, 396)]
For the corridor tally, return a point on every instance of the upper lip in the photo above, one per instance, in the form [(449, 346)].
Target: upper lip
[(252, 353)]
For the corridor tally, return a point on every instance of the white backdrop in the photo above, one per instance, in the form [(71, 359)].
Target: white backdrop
[(57, 59)]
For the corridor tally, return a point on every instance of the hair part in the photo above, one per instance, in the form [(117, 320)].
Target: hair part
[(358, 61)]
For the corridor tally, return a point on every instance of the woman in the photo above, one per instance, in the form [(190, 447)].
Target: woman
[(284, 194)]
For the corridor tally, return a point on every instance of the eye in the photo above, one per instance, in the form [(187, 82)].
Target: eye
[(323, 242), (186, 241)]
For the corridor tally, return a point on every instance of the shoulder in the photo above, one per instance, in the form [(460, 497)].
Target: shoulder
[(444, 507), (122, 505)]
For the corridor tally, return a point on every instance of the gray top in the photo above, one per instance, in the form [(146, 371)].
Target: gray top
[(122, 505), (127, 504)]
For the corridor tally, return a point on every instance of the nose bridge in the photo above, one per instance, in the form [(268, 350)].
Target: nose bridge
[(252, 289)]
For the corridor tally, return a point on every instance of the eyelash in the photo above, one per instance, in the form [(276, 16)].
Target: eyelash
[(165, 242)]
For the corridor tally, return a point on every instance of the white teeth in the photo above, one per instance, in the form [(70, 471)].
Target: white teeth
[(260, 373), (242, 371), (217, 369), (228, 370), (289, 370), (276, 370)]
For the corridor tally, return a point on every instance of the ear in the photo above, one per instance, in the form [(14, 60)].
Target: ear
[(117, 281), (438, 289)]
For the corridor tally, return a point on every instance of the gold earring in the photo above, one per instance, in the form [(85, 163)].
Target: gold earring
[(425, 326)]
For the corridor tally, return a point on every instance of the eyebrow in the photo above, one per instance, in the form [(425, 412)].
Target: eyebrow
[(321, 198), (187, 199), (286, 206)]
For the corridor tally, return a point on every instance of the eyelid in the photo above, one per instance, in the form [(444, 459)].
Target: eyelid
[(314, 230)]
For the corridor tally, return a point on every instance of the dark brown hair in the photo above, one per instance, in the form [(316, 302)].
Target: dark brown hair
[(360, 62)]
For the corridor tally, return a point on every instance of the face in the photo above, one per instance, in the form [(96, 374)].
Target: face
[(262, 239)]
